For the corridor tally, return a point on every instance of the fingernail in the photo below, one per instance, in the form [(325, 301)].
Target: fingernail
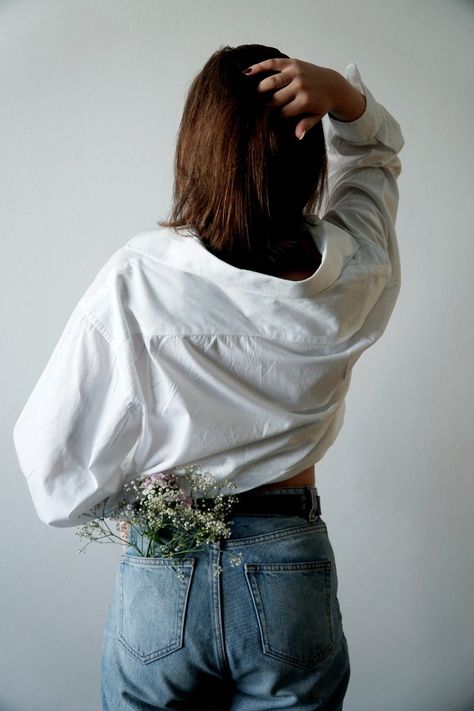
[(302, 135), (247, 71)]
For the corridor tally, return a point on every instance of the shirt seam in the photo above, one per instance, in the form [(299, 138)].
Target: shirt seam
[(233, 335), (101, 328), (131, 401), (98, 325)]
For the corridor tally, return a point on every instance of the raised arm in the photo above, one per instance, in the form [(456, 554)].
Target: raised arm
[(363, 141)]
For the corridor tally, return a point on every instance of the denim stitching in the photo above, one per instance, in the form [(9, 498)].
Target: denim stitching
[(291, 531), (267, 649), (180, 608)]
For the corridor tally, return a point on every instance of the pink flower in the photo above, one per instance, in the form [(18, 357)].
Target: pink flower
[(153, 479), (170, 478)]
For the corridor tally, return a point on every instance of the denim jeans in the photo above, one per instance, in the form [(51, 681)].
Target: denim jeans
[(263, 634)]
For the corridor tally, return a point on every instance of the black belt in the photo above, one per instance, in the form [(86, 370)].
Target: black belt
[(297, 504)]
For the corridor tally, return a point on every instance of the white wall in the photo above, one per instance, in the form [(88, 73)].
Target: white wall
[(91, 98)]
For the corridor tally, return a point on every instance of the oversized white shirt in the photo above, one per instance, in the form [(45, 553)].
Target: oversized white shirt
[(175, 357)]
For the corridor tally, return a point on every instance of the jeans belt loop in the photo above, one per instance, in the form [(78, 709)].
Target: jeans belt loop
[(313, 504)]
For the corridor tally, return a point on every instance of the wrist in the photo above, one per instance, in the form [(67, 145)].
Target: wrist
[(349, 103)]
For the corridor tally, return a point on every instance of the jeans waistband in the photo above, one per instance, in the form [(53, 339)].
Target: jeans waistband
[(288, 501)]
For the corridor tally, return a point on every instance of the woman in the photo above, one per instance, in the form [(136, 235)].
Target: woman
[(227, 338)]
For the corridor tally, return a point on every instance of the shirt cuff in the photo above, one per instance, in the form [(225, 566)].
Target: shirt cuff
[(364, 128)]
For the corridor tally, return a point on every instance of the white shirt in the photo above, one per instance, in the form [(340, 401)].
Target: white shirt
[(174, 357)]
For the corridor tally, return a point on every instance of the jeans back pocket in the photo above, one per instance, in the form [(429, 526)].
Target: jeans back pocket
[(153, 600), (292, 603)]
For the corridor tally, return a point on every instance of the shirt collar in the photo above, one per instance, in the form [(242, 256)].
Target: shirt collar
[(188, 253)]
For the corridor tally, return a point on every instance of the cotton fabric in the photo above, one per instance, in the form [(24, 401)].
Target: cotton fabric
[(174, 357)]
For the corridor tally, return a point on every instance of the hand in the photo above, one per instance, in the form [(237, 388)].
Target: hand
[(302, 88)]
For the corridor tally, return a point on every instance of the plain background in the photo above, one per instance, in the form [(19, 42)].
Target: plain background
[(92, 94)]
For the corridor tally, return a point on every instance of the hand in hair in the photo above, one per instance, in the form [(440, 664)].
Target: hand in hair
[(307, 90)]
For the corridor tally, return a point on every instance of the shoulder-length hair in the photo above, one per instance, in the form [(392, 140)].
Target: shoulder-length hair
[(243, 181)]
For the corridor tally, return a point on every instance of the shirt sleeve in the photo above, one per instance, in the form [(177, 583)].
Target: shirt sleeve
[(363, 167), (78, 430)]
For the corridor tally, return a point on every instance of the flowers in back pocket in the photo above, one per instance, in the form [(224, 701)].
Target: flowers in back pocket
[(173, 513)]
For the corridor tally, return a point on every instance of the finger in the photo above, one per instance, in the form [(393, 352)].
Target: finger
[(276, 63), (297, 107), (282, 96), (275, 82), (302, 127)]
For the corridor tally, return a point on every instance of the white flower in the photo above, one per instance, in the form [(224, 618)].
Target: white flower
[(163, 512)]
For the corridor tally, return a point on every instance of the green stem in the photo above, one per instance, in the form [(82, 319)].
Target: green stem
[(111, 533)]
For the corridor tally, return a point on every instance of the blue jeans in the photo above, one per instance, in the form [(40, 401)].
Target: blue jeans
[(264, 634)]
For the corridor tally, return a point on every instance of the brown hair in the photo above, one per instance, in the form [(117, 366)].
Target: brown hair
[(242, 179)]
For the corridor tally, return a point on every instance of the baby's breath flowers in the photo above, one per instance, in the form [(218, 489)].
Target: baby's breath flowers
[(160, 508)]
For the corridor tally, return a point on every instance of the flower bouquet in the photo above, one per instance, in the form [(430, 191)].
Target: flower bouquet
[(161, 510)]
